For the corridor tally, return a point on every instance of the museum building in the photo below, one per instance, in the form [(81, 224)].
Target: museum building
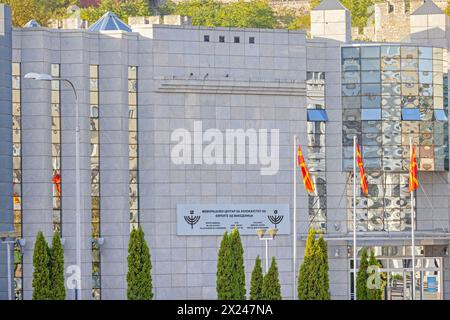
[(161, 101)]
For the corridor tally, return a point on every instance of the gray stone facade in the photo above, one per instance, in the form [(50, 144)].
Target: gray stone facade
[(182, 78)]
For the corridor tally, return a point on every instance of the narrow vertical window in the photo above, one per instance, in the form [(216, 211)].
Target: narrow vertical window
[(17, 178), (95, 180), (133, 146), (315, 99), (56, 147)]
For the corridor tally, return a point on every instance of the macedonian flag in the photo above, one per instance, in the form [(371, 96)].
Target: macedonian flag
[(413, 178), (309, 185), (16, 198), (57, 181), (364, 186)]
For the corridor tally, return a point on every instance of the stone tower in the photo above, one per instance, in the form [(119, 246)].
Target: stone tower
[(428, 25), (331, 20)]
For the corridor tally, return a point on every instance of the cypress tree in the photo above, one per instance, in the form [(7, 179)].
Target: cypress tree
[(223, 276), (305, 277), (375, 294), (41, 273), (271, 289), (230, 282), (237, 266), (361, 277), (313, 278), (58, 289), (256, 284), (139, 276), (322, 274)]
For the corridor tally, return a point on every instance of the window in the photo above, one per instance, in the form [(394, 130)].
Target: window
[(370, 114), (411, 114), (95, 181), (439, 115), (206, 38), (221, 38), (133, 145), (236, 40), (56, 148), (251, 40), (317, 115), (17, 179)]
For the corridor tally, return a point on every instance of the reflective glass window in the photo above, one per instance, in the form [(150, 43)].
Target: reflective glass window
[(350, 52), (440, 115), (317, 115), (410, 114), (371, 114)]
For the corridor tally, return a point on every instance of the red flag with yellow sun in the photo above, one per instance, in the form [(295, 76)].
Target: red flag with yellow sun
[(364, 185), (308, 183), (413, 181)]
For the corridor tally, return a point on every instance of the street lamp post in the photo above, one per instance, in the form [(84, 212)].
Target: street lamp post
[(8, 238), (47, 77), (271, 235)]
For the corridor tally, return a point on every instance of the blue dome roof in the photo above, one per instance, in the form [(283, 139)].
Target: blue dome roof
[(109, 21), (32, 24)]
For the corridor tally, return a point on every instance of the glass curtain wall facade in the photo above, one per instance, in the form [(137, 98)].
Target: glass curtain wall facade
[(395, 265), (133, 146), (391, 94), (316, 116), (95, 180), (17, 177), (56, 147)]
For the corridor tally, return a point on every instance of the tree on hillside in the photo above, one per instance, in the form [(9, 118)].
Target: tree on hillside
[(361, 277), (213, 13), (40, 10), (26, 10), (123, 9), (359, 11), (256, 283), (271, 289), (139, 276), (58, 290), (242, 14), (314, 3), (41, 271)]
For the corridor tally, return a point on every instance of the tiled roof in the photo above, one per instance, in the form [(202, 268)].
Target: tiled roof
[(330, 5), (429, 7)]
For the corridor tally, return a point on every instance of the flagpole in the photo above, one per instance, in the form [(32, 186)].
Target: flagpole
[(413, 253), (294, 231), (354, 217)]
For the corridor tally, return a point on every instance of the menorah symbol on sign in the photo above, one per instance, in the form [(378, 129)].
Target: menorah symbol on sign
[(276, 219), (191, 220)]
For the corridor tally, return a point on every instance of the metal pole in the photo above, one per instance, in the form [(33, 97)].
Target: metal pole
[(413, 254), (78, 197), (294, 231), (8, 252), (354, 217), (78, 295)]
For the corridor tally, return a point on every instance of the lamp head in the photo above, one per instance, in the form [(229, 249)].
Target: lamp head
[(273, 232), (38, 76), (260, 232)]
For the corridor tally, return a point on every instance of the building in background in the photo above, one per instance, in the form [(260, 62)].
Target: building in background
[(138, 84)]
